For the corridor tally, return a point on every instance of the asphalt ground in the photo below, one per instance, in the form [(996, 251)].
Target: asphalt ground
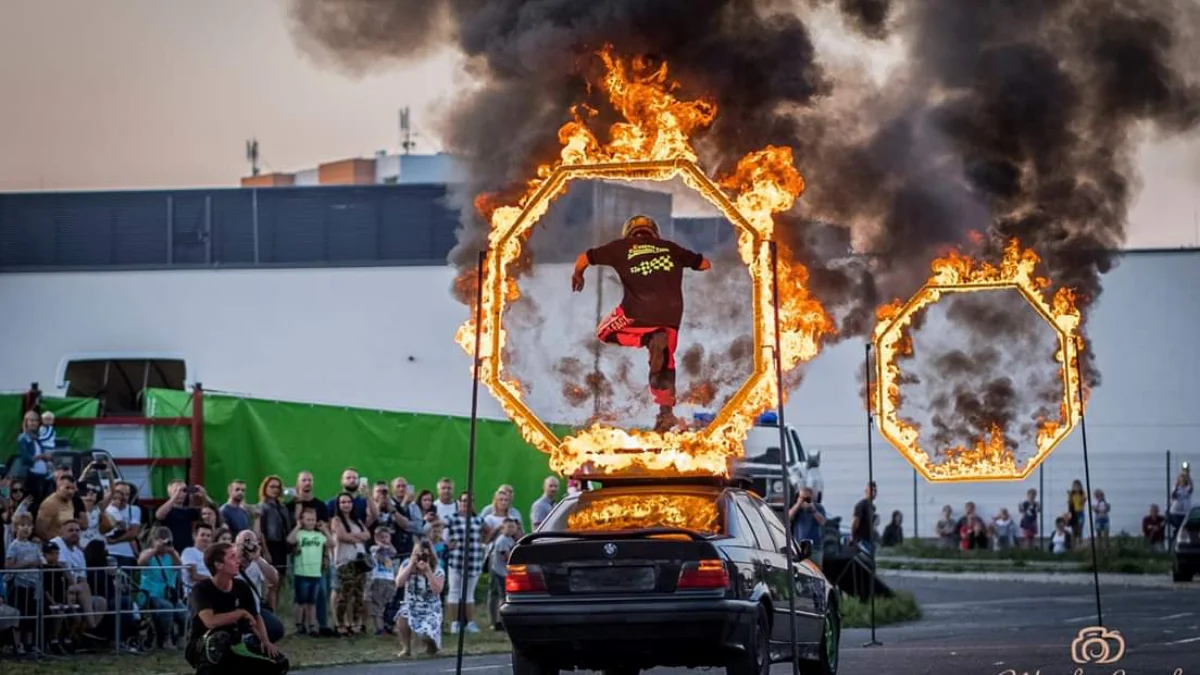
[(974, 628)]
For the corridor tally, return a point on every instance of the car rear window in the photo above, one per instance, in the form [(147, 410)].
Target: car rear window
[(604, 511)]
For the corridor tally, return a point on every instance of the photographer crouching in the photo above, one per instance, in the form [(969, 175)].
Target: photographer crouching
[(262, 577), (228, 634)]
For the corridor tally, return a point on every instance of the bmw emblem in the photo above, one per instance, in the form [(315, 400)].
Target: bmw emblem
[(610, 549)]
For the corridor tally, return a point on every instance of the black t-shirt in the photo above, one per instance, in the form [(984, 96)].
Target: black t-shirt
[(315, 504), (206, 595), (864, 515), (179, 521), (651, 272)]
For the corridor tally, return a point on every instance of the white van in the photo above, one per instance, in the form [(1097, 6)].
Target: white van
[(761, 466)]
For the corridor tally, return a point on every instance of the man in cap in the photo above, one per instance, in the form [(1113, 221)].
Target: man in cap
[(651, 272)]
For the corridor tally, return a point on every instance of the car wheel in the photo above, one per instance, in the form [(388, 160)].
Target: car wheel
[(146, 639), (1182, 574), (756, 660), (523, 665), (827, 651)]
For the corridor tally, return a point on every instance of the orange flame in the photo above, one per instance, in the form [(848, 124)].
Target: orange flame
[(654, 142), (991, 457), (635, 512)]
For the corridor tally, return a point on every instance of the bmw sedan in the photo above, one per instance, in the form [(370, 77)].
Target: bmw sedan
[(666, 573)]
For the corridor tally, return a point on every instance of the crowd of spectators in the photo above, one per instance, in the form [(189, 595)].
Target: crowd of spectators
[(85, 563), (1004, 530), (383, 558)]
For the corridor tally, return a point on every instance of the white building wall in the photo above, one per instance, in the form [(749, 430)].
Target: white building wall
[(308, 178), (383, 338), (387, 167)]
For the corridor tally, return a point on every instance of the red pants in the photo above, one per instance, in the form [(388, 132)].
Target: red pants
[(619, 329)]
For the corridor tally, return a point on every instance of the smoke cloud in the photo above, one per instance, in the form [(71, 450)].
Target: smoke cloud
[(1013, 118)]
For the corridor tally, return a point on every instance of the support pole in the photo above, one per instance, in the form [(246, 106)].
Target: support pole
[(196, 470), (1087, 478), (870, 483), (916, 532), (466, 563), (1038, 504), (783, 466), (1170, 542)]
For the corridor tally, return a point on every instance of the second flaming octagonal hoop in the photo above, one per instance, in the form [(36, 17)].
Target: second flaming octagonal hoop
[(985, 462), (603, 449)]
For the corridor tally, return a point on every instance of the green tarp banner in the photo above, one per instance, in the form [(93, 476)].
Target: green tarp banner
[(253, 438), (80, 438)]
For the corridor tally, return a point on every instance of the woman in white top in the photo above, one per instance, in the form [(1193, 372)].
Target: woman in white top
[(420, 613), (500, 509), (1060, 542), (350, 560), (1181, 501)]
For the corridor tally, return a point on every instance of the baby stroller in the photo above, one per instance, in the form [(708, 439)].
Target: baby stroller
[(144, 636)]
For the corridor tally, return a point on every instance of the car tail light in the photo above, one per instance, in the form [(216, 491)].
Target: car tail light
[(524, 579), (703, 574)]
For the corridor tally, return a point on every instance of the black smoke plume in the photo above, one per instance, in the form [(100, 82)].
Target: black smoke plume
[(1013, 118)]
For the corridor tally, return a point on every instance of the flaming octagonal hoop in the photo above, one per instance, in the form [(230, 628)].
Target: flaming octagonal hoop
[(606, 449), (890, 343)]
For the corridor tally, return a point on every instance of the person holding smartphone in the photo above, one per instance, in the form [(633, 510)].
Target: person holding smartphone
[(420, 614), (808, 522)]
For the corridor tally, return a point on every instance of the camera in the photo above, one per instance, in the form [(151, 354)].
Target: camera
[(250, 548)]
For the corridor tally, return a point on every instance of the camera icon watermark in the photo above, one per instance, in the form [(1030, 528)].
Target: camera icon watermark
[(1097, 645)]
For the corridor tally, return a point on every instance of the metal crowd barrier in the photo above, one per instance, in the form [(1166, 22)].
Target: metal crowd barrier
[(125, 587)]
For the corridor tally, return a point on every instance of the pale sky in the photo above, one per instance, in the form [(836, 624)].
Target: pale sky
[(105, 94)]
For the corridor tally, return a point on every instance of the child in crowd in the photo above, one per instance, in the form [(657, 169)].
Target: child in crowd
[(24, 554), (311, 546), (381, 585), (437, 535), (1101, 509), (501, 546), (1029, 518), (47, 436), (56, 585), (441, 550)]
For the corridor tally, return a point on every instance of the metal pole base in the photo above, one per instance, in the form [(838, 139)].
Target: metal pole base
[(873, 643)]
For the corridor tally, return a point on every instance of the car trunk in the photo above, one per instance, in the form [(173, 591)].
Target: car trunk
[(606, 565)]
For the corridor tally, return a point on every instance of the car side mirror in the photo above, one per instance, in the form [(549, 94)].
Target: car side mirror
[(814, 460), (805, 546)]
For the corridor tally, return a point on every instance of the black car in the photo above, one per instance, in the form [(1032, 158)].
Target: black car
[(1187, 547), (632, 576)]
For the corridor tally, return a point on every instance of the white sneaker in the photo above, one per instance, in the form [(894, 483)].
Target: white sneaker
[(472, 628), (454, 628)]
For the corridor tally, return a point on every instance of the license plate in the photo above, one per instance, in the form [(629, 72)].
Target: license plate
[(612, 579)]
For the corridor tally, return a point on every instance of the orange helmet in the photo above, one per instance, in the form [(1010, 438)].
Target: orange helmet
[(640, 223)]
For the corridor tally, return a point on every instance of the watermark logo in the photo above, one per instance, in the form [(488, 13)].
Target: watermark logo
[(1094, 646), (1097, 645)]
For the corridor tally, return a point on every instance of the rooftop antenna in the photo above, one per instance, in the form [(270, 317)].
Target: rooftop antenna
[(252, 155), (406, 133)]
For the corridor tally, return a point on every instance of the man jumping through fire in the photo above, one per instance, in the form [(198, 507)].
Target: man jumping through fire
[(651, 272)]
